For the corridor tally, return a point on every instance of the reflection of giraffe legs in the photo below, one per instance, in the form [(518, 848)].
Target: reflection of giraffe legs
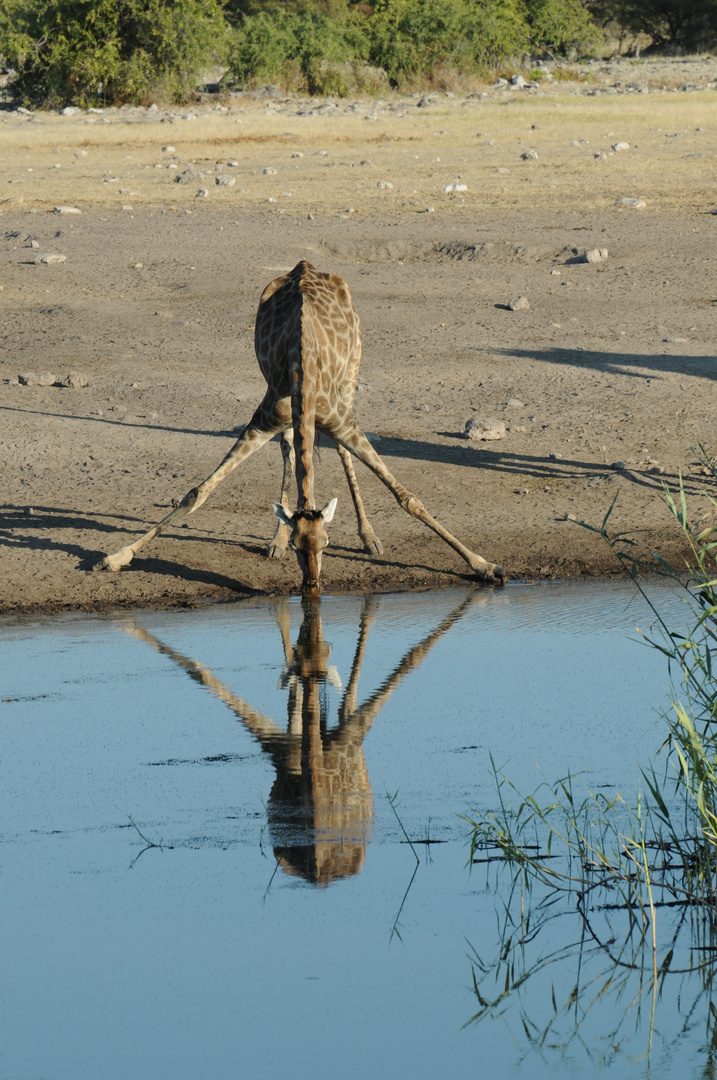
[(371, 543), (354, 440)]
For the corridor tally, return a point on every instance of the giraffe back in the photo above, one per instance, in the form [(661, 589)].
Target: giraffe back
[(307, 324)]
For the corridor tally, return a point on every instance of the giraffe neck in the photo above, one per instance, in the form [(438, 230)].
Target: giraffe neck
[(304, 375)]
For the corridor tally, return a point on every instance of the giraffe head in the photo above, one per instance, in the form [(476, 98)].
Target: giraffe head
[(308, 539)]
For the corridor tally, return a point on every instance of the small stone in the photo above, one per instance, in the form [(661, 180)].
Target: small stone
[(595, 255), (167, 149), (529, 155), (570, 517), (524, 491), (430, 210), (554, 456), (80, 153), (519, 303), (138, 266), (618, 466), (297, 154), (618, 146), (676, 340), (454, 187), (518, 80), (223, 180), (656, 469), (34, 244), (126, 206), (66, 210), (268, 171), (385, 185), (189, 176), (636, 204), (50, 258), (31, 378), (202, 193), (514, 403), (69, 110), (600, 156), (74, 380), (484, 430)]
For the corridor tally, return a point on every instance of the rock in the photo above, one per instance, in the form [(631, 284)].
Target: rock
[(31, 378), (618, 146), (223, 180), (297, 154), (80, 153), (66, 210), (600, 155), (202, 193), (618, 466), (594, 255), (514, 403), (189, 176), (268, 171), (636, 204), (73, 381), (69, 110), (676, 340), (484, 430), (519, 303), (529, 155), (518, 80), (455, 187), (385, 185), (570, 517), (524, 491), (168, 150), (50, 258)]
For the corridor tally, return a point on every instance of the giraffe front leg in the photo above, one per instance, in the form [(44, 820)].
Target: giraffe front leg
[(355, 441), (250, 440), (371, 543), (280, 540)]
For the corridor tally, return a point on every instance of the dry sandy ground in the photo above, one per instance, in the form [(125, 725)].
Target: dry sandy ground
[(154, 305)]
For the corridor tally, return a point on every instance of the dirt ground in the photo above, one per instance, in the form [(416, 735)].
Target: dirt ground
[(153, 306)]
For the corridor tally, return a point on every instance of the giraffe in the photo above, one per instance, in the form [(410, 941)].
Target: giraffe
[(320, 809), (308, 344)]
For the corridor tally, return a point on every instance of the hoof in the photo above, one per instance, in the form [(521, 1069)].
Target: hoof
[(373, 547), (275, 551), (115, 562), (492, 574)]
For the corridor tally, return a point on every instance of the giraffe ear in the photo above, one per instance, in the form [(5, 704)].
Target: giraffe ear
[(327, 514), (281, 514)]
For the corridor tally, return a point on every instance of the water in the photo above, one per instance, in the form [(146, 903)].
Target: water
[(282, 925)]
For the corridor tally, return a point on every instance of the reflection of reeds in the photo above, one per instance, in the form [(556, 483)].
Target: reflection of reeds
[(639, 877)]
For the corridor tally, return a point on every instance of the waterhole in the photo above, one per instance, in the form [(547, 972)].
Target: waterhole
[(233, 840)]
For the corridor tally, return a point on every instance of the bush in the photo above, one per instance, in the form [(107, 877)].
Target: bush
[(307, 50), (89, 52), (412, 38)]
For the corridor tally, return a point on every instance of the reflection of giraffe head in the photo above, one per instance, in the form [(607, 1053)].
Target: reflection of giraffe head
[(308, 539)]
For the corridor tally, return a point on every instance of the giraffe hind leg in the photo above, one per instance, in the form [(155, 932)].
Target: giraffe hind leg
[(280, 540), (371, 543)]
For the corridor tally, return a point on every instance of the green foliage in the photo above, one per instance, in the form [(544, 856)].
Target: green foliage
[(308, 50), (686, 24), (92, 51), (415, 37), (562, 26)]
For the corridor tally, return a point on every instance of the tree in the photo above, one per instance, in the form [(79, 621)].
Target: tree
[(97, 51)]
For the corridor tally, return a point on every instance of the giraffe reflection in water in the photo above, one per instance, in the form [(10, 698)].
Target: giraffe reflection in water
[(320, 810)]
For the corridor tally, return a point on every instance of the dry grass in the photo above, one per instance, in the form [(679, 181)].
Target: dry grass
[(670, 163)]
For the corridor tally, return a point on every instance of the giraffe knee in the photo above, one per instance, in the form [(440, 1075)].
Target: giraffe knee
[(413, 505), (189, 501)]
